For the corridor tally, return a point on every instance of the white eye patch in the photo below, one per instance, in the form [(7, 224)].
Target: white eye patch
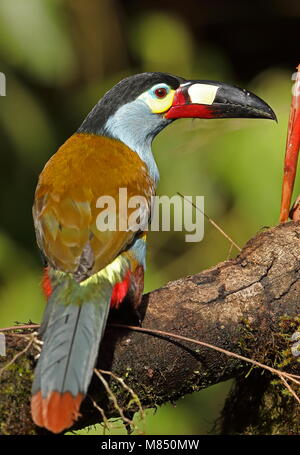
[(202, 93)]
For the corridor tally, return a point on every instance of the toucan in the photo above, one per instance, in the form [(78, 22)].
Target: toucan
[(89, 271)]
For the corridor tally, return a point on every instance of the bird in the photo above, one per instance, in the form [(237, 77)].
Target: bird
[(89, 272)]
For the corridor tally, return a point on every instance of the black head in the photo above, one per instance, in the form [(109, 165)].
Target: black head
[(125, 91), (136, 109)]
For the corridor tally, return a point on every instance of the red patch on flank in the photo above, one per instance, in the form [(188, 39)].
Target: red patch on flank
[(46, 284), (57, 412), (119, 291)]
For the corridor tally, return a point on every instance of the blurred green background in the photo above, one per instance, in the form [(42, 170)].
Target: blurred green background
[(59, 57)]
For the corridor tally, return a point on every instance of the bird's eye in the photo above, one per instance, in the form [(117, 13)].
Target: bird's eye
[(160, 92)]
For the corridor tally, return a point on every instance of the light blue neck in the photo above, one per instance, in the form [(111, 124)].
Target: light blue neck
[(136, 126)]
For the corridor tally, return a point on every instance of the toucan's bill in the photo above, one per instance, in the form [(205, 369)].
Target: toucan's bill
[(208, 99)]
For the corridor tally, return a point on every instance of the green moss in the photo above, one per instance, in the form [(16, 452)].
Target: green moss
[(15, 386), (287, 326), (259, 402)]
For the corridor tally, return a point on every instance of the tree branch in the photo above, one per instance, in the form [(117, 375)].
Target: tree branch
[(249, 305)]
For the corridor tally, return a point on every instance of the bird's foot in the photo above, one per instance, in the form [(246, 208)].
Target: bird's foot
[(37, 343), (136, 317)]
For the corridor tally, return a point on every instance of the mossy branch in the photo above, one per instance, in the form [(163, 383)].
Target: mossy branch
[(249, 305)]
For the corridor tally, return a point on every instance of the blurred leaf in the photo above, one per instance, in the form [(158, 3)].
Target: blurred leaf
[(21, 300), (162, 42), (20, 294), (34, 36), (26, 123)]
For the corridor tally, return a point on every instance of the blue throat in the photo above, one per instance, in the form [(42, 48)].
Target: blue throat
[(134, 125)]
